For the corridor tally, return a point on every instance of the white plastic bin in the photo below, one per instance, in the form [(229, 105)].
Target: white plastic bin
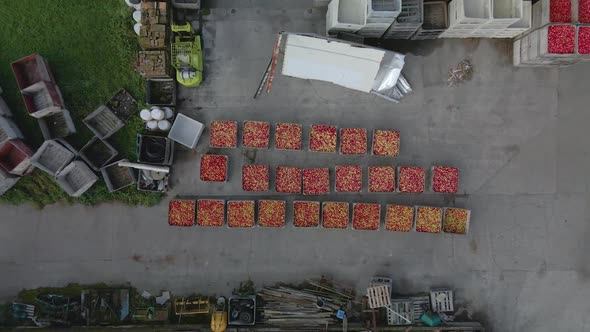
[(186, 131), (346, 15)]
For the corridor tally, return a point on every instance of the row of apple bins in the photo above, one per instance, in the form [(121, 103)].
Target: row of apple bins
[(349, 178), (334, 215), (288, 136)]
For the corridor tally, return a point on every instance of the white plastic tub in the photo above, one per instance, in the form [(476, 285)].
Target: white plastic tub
[(186, 131)]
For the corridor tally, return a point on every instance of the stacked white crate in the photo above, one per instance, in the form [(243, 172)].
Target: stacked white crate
[(488, 18), (408, 21), (381, 14), (504, 14), (521, 26), (466, 16), (531, 49), (346, 16)]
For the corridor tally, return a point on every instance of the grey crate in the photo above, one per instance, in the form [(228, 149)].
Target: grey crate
[(160, 91), (436, 21), (4, 110), (122, 104), (76, 178), (117, 177), (58, 125), (52, 157), (103, 122), (7, 181), (8, 130), (403, 307), (162, 146), (30, 70), (409, 20), (97, 153), (42, 98)]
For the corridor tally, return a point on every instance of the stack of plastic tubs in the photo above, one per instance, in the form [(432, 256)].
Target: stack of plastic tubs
[(381, 14), (408, 22), (559, 37), (346, 16), (436, 21)]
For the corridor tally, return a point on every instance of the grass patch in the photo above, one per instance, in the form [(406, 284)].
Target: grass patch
[(91, 49)]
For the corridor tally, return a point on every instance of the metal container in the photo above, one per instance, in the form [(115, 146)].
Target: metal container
[(97, 153), (15, 157), (58, 125), (4, 110), (76, 178), (103, 122), (117, 177), (52, 157), (161, 91), (155, 150), (122, 104), (436, 21), (30, 70), (42, 99), (8, 130), (7, 181)]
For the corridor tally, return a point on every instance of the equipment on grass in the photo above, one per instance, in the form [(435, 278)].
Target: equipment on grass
[(187, 56)]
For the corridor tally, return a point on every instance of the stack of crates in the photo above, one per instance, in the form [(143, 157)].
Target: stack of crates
[(346, 16), (488, 18), (42, 96), (381, 15), (408, 21), (436, 21), (560, 35)]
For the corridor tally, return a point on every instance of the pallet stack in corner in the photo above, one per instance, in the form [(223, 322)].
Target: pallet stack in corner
[(560, 35)]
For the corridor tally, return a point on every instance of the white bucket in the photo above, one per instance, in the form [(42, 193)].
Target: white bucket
[(157, 114), (145, 115), (169, 112), (152, 125), (164, 125)]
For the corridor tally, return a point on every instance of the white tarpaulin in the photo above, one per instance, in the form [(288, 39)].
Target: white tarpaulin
[(332, 61)]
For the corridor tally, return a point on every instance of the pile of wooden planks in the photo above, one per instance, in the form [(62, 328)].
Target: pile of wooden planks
[(152, 64), (313, 304)]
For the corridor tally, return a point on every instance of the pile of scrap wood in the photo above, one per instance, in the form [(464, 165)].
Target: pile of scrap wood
[(313, 304)]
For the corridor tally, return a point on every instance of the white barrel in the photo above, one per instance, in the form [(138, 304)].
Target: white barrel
[(152, 125), (157, 114), (164, 125), (136, 28), (137, 16), (145, 114), (169, 112)]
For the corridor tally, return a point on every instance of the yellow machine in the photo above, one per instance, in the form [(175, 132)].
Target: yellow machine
[(191, 306), (187, 55), (219, 316)]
